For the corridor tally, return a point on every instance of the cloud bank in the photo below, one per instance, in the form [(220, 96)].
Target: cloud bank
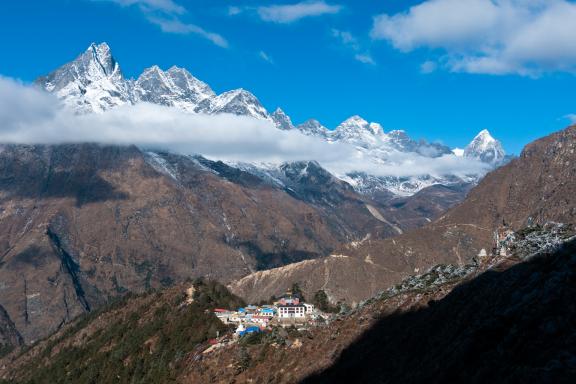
[(31, 116), (524, 37)]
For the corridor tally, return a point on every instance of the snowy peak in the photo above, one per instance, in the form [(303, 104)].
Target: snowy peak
[(93, 82), (485, 148), (358, 124), (483, 140), (174, 88), (102, 54), (282, 120), (358, 131), (237, 102), (313, 128), (189, 84), (459, 152)]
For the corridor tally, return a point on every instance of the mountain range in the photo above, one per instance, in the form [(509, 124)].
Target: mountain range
[(83, 223), (99, 244), (94, 83)]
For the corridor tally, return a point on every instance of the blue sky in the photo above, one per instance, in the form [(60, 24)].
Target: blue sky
[(502, 67)]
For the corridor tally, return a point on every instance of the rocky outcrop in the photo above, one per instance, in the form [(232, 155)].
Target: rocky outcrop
[(9, 336)]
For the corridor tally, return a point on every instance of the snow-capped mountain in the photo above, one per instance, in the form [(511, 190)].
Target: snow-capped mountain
[(485, 148), (282, 120), (313, 127), (94, 82), (174, 88), (355, 130), (238, 102)]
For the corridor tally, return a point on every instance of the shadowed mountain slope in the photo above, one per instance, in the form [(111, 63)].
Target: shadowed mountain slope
[(512, 326)]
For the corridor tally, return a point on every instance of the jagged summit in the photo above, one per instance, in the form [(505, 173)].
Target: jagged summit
[(485, 148), (484, 138), (238, 102), (313, 127), (282, 120), (93, 82), (175, 87), (358, 131), (103, 55)]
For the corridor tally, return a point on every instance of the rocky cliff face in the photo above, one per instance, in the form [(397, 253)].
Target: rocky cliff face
[(9, 335)]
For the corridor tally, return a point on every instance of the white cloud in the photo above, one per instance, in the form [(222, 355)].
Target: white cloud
[(348, 40), (525, 37), (166, 14), (289, 13), (458, 152), (166, 6), (428, 67), (365, 58), (571, 117), (232, 11), (178, 27), (266, 57), (31, 116)]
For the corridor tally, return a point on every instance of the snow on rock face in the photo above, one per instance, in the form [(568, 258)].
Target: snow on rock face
[(485, 148), (281, 120), (358, 131), (93, 82), (313, 128), (401, 186), (237, 102), (174, 88)]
